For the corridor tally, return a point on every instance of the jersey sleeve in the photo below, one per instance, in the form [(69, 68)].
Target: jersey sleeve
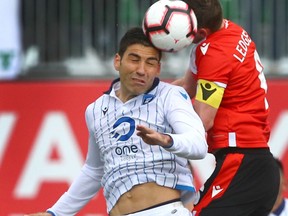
[(212, 65), (93, 157), (81, 191), (85, 186), (189, 134)]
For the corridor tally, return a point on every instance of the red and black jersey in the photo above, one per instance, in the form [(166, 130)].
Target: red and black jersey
[(229, 59)]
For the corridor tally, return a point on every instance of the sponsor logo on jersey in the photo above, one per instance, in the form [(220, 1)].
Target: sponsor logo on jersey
[(126, 150), (123, 128)]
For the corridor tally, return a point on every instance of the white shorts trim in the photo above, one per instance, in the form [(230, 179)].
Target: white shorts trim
[(173, 209)]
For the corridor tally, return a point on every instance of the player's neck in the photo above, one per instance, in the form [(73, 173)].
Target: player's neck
[(124, 97)]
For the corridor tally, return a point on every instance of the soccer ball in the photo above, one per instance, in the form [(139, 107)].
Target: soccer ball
[(170, 25)]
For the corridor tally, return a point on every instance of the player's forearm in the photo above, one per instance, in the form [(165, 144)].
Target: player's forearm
[(81, 191), (191, 145)]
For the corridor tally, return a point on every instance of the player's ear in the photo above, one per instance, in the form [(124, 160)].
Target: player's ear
[(203, 32), (117, 60)]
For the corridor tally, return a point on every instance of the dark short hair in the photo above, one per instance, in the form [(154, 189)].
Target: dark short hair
[(133, 36), (209, 13)]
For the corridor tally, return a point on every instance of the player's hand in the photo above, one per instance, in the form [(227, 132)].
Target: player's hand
[(152, 137), (39, 214)]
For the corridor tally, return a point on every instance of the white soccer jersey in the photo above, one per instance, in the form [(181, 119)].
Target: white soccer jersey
[(120, 159)]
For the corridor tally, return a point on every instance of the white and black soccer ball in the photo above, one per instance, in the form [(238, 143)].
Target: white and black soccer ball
[(170, 25)]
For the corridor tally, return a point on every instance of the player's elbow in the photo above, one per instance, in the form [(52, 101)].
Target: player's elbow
[(200, 148), (208, 125), (202, 151)]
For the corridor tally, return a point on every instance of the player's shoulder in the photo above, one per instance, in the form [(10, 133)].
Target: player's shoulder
[(169, 87), (173, 90), (90, 107), (89, 110)]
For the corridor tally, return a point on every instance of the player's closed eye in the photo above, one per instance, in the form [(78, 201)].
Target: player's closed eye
[(149, 62), (152, 62), (134, 59)]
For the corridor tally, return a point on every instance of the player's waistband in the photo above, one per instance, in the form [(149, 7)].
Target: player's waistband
[(164, 205), (231, 150)]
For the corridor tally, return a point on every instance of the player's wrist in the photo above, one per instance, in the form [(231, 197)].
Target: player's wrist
[(168, 140)]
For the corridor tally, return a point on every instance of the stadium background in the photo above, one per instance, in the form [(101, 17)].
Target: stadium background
[(68, 47)]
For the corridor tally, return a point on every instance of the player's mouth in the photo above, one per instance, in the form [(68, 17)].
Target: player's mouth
[(138, 81)]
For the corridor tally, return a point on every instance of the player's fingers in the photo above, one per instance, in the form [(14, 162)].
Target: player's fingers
[(140, 134), (140, 128), (143, 129)]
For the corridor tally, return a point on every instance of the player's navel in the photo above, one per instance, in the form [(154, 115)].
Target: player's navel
[(129, 195)]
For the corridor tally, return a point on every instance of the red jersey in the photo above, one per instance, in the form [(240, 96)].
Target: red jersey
[(229, 59)]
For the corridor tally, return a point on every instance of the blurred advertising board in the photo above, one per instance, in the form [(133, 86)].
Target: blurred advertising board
[(43, 141)]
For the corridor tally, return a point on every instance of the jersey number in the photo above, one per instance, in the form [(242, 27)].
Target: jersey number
[(261, 76)]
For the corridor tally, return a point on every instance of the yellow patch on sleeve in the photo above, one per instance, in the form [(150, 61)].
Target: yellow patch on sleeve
[(209, 93)]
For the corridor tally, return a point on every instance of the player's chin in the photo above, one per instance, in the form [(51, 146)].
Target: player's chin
[(139, 91), (139, 88)]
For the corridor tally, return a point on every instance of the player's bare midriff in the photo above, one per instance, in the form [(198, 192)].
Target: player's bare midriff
[(143, 196)]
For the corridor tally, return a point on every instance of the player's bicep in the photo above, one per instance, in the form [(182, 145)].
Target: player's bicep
[(190, 84), (207, 101), (206, 113)]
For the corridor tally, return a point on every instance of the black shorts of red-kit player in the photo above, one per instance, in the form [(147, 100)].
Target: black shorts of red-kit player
[(245, 182)]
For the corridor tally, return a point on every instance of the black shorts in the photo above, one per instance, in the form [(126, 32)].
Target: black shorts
[(245, 182)]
